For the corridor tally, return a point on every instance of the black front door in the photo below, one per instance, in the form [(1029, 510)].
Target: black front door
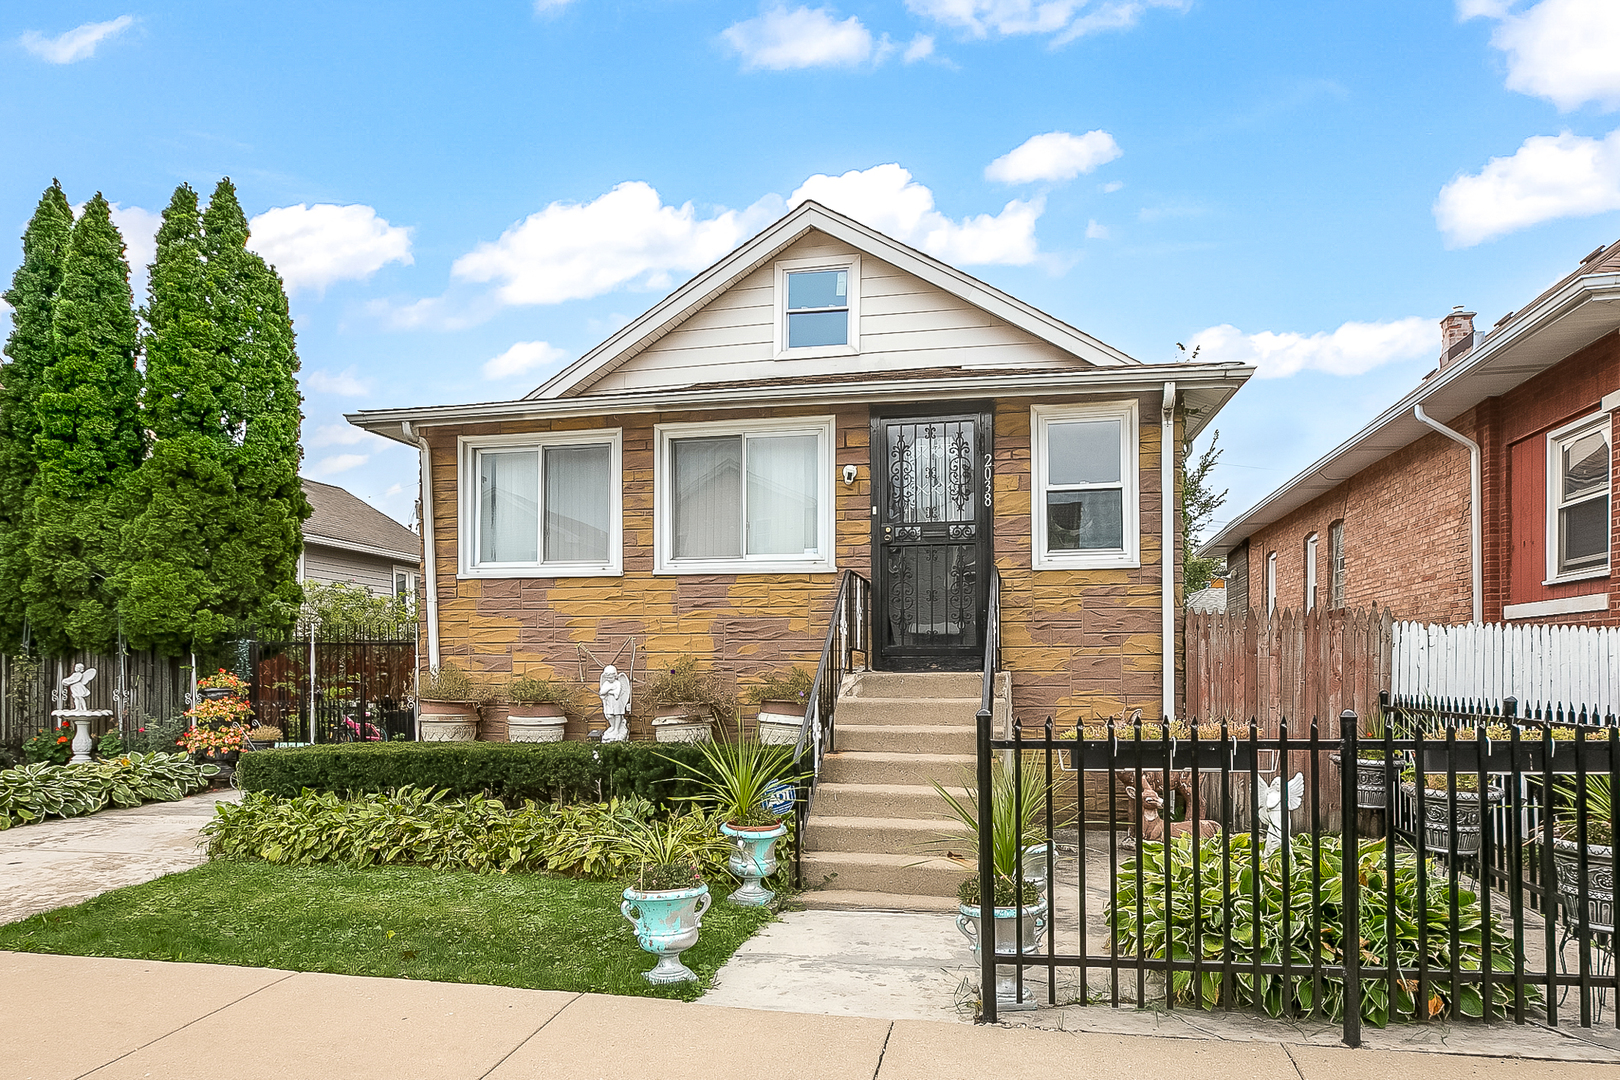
[(931, 541)]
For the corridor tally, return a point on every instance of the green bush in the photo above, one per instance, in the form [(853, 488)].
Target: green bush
[(50, 746), (34, 792), (564, 772), (430, 829), (157, 736), (1235, 903)]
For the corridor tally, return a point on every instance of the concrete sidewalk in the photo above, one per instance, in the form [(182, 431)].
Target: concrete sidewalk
[(69, 1017), (65, 861)]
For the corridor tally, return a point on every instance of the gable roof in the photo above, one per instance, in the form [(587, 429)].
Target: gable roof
[(342, 520), (661, 318), (1575, 311)]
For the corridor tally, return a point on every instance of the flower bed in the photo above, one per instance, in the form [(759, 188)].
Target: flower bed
[(34, 792)]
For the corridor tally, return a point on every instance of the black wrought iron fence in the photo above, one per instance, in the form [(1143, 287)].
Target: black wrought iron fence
[(1216, 866), (318, 691)]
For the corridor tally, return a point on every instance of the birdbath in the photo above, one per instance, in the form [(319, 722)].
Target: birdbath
[(78, 688)]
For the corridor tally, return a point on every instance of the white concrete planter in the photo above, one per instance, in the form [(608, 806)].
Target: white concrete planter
[(447, 721), (535, 723), (780, 722), (682, 723)]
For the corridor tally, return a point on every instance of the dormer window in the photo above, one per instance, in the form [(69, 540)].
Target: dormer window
[(818, 307)]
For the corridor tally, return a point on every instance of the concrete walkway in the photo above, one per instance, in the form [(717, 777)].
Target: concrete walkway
[(68, 860), (70, 1017)]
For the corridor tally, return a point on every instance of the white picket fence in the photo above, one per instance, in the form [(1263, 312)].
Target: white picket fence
[(1542, 666)]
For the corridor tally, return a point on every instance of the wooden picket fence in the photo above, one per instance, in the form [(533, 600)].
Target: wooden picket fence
[(1298, 665), (1543, 667)]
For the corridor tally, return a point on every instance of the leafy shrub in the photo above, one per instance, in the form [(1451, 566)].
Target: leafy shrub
[(50, 746), (1233, 906), (157, 737), (34, 792), (792, 685), (450, 683), (544, 692), (687, 684), (110, 745), (429, 828), (562, 772)]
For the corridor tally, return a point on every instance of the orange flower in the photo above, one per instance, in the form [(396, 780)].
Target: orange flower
[(63, 739)]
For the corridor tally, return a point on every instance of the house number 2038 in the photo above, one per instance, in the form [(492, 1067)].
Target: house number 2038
[(987, 474)]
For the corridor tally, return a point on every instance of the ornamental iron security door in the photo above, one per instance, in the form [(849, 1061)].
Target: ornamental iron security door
[(931, 538)]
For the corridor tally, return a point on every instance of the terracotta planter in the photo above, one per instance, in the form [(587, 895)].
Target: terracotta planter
[(447, 721), (535, 722), (682, 723), (780, 722)]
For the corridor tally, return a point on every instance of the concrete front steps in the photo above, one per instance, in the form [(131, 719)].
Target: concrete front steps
[(868, 840)]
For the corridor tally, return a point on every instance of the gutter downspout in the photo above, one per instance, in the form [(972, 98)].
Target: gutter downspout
[(1167, 552), (429, 562), (1475, 514)]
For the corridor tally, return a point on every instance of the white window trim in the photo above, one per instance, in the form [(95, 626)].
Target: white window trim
[(467, 448), (1040, 419), (1312, 542), (411, 573), (779, 337), (823, 427), (1554, 498), (1271, 583)]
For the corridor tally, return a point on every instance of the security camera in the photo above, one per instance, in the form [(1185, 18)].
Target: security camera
[(849, 474)]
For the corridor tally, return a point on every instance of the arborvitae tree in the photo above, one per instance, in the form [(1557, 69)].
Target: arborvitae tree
[(182, 502), (28, 350), (90, 441)]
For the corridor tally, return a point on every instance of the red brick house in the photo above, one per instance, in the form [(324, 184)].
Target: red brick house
[(1485, 494)]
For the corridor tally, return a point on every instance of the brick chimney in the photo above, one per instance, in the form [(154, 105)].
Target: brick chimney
[(1456, 336)]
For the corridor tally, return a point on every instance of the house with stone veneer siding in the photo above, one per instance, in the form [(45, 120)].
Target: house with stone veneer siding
[(823, 399), (1484, 494)]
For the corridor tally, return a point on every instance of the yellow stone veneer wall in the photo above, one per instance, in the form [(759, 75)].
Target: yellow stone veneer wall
[(1078, 643)]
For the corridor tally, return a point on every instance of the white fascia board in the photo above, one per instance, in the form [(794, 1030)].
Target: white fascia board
[(711, 282), (1396, 423), (1214, 379)]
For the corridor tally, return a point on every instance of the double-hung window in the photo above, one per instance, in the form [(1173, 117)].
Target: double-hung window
[(1578, 485), (1311, 545), (542, 505), (1336, 564), (1271, 583), (818, 307), (747, 497), (1085, 505)]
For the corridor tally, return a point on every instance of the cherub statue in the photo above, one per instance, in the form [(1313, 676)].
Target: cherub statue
[(615, 694), (1271, 807), (78, 686)]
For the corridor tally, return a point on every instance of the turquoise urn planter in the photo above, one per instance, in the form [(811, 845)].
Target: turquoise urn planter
[(667, 922), (1006, 943), (753, 856)]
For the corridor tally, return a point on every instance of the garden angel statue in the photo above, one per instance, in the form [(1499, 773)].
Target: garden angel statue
[(615, 694), (1271, 807), (78, 686)]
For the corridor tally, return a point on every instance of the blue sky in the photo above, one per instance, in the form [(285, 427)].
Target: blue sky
[(464, 196)]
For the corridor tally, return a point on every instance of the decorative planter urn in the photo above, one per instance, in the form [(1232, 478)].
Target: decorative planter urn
[(1370, 793), (526, 722), (1445, 812), (1006, 942), (1598, 869), (753, 857), (780, 722), (447, 721), (682, 723), (667, 922)]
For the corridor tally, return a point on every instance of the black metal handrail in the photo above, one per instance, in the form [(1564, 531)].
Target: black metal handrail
[(987, 866), (849, 631)]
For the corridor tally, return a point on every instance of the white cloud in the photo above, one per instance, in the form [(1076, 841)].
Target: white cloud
[(1561, 50), (339, 435), (139, 229), (331, 466), (344, 383), (77, 44), (782, 40), (550, 7), (1112, 186), (314, 246), (1550, 176), (1094, 231), (521, 359), (1352, 349), (1054, 156), (1066, 19), (921, 48), (889, 200), (570, 251)]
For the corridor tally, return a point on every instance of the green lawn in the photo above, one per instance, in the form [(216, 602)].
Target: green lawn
[(544, 933)]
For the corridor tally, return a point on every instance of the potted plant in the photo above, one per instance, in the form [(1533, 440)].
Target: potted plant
[(539, 709), (1449, 811), (1370, 792), (738, 780), (782, 698), (1016, 807), (447, 706), (1594, 861), (667, 900), (685, 701)]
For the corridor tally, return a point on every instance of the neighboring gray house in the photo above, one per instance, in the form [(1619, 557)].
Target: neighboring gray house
[(347, 539)]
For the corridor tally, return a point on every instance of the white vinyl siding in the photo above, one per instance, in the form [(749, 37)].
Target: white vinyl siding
[(374, 573)]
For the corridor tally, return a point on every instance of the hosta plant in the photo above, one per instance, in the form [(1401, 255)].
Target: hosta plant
[(34, 792), (1228, 905)]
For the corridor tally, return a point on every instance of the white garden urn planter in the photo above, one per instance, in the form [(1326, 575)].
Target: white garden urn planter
[(447, 721), (682, 723), (535, 723), (780, 722)]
